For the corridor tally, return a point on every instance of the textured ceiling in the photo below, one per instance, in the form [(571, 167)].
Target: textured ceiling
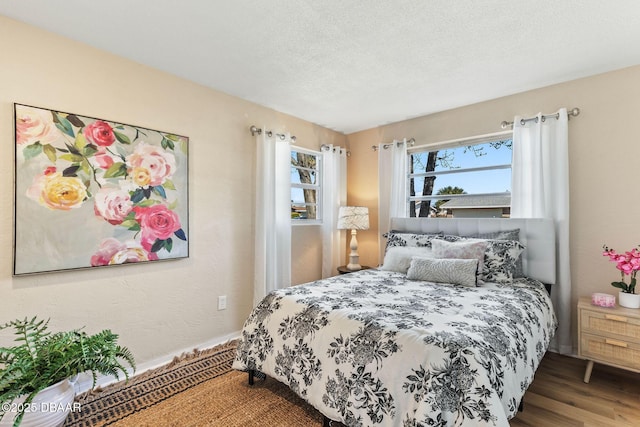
[(353, 65)]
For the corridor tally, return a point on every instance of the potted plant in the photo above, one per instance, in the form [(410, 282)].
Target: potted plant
[(628, 264), (39, 368)]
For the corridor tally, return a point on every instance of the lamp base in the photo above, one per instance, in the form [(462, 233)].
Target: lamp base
[(354, 258)]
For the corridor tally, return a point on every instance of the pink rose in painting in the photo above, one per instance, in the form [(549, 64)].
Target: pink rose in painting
[(35, 125), (99, 133), (112, 252), (156, 222), (112, 204), (157, 164), (103, 159)]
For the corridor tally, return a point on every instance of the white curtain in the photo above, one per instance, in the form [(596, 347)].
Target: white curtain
[(540, 189), (334, 188), (392, 186), (273, 214)]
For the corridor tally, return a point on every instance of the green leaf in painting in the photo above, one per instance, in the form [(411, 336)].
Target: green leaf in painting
[(124, 139), (146, 192), (167, 143), (137, 195), (159, 190), (174, 138), (130, 224), (50, 152), (72, 149), (173, 205), (168, 245), (31, 151), (157, 245), (168, 184), (73, 158), (184, 146), (147, 203), (71, 170), (86, 167), (116, 170), (75, 120), (63, 124), (89, 150), (80, 141), (180, 234)]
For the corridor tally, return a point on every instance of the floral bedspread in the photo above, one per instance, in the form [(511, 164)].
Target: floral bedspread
[(373, 348)]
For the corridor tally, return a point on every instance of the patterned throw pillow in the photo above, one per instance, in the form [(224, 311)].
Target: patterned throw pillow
[(504, 235), (396, 238), (500, 260), (398, 258), (455, 271), (461, 249)]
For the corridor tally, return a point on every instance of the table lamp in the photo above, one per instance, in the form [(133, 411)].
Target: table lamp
[(353, 218)]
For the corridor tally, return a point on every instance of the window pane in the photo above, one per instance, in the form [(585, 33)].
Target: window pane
[(458, 180), (304, 204)]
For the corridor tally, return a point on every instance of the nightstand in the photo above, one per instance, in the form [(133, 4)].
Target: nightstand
[(610, 336), (344, 270)]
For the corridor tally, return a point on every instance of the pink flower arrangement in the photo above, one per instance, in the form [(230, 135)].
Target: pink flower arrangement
[(628, 263)]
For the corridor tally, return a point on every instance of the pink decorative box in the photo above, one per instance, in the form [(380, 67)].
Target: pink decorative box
[(603, 300)]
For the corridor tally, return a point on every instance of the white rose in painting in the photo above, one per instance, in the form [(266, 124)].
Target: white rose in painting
[(35, 125), (112, 204), (150, 165)]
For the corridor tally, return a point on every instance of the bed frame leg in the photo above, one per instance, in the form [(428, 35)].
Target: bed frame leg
[(521, 406), (326, 422), (252, 374)]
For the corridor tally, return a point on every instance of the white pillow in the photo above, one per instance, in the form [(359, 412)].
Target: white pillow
[(398, 258), (446, 270)]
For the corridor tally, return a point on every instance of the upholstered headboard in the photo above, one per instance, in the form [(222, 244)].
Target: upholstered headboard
[(538, 235)]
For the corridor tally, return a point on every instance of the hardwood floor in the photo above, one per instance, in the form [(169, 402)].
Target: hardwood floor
[(558, 397)]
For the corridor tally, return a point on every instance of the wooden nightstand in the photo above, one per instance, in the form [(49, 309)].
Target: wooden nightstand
[(344, 270), (608, 335)]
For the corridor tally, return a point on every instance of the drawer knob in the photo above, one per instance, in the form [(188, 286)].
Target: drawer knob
[(615, 318), (616, 343)]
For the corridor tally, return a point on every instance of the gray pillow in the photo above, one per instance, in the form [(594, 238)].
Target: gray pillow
[(398, 258), (445, 270), (505, 235)]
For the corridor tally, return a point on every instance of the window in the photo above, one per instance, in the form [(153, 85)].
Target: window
[(469, 178), (305, 185)]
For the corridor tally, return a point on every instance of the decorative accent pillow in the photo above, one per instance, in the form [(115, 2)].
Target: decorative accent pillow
[(504, 235), (455, 271), (396, 238), (500, 260), (398, 258), (461, 249)]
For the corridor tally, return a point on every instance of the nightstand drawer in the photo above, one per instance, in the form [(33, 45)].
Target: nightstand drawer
[(611, 324), (610, 350)]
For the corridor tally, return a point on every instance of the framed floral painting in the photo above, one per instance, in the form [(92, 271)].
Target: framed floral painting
[(92, 192)]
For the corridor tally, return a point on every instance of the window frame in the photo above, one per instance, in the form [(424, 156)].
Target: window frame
[(444, 145), (317, 186)]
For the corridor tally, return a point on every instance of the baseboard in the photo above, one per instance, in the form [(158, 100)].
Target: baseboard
[(85, 381)]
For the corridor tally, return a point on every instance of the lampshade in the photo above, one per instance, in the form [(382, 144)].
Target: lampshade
[(353, 218)]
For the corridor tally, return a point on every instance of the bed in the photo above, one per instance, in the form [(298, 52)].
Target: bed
[(385, 347)]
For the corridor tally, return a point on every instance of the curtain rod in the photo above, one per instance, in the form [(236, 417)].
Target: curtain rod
[(253, 129), (326, 147), (575, 112), (410, 143)]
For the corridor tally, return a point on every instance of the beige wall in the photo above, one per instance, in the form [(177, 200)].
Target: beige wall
[(604, 156), (159, 308)]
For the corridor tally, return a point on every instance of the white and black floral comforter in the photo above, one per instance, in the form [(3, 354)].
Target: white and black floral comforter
[(375, 349)]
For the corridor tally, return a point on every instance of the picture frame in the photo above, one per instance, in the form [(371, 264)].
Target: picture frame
[(92, 192)]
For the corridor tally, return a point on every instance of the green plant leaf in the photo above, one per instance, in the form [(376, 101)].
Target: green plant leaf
[(130, 224), (168, 184), (75, 120), (63, 124), (50, 151), (73, 158), (167, 144), (71, 170), (124, 139), (159, 190), (80, 141), (31, 151), (137, 196), (117, 169), (157, 245)]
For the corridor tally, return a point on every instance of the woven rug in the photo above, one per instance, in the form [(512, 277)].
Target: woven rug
[(196, 389)]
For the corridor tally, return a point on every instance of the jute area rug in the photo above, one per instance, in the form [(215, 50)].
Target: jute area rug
[(197, 389)]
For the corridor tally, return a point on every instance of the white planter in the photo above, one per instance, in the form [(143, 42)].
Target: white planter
[(629, 300), (49, 408)]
